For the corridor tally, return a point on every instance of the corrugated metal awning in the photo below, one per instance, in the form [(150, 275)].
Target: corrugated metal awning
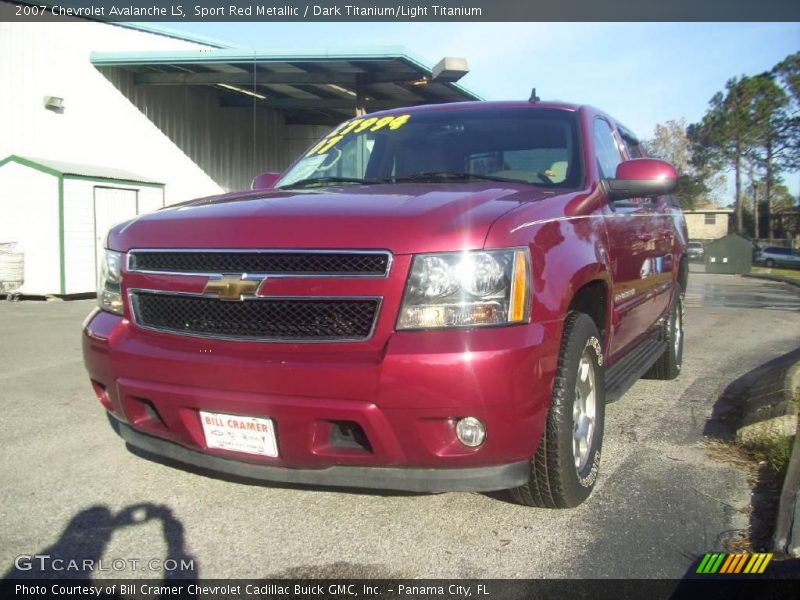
[(331, 84)]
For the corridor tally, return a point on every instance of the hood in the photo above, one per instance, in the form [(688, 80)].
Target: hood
[(402, 218)]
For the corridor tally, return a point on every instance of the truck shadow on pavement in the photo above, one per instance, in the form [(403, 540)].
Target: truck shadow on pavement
[(77, 554)]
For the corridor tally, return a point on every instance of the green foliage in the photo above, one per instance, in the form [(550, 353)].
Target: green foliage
[(788, 73), (774, 450), (754, 122), (670, 142), (691, 189), (776, 134)]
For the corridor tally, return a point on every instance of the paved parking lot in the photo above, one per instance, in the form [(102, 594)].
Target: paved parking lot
[(72, 490)]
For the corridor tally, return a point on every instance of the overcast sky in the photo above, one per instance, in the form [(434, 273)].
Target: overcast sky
[(641, 73)]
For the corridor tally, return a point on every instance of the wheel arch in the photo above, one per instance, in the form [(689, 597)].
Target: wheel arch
[(683, 273), (592, 299)]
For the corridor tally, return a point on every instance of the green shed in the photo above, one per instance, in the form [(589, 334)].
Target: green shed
[(57, 214), (732, 254)]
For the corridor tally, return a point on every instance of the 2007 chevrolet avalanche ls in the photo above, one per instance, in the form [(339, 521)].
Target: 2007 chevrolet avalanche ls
[(434, 298)]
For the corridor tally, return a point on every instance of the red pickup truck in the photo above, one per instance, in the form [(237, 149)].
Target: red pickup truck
[(429, 299)]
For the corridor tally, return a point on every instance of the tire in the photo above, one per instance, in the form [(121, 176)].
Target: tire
[(769, 263), (668, 365), (563, 472)]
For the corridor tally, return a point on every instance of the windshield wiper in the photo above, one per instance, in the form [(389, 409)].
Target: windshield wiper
[(451, 176), (423, 176), (314, 181)]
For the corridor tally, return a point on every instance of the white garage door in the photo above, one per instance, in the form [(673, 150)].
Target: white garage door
[(111, 206)]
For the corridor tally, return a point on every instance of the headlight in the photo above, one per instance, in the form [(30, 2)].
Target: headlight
[(109, 294), (467, 289)]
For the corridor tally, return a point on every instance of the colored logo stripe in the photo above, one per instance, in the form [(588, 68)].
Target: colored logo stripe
[(727, 564), (710, 563), (732, 563)]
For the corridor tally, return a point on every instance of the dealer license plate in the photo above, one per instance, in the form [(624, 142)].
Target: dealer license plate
[(251, 435)]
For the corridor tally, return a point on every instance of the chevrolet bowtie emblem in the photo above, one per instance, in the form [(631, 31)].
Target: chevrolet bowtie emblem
[(232, 287)]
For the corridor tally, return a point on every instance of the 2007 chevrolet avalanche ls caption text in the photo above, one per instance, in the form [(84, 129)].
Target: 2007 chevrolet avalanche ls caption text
[(429, 299)]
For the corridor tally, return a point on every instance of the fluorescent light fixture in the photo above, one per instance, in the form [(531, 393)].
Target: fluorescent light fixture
[(450, 68), (234, 88), (339, 88)]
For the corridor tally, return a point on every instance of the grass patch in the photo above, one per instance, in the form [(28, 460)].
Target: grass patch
[(774, 451), (771, 446), (765, 458), (790, 273)]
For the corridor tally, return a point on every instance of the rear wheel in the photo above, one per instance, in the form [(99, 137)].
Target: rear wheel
[(668, 365), (564, 470)]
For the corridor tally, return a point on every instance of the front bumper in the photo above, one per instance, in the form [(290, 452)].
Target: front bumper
[(475, 479), (405, 396)]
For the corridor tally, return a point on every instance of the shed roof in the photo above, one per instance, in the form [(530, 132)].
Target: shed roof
[(709, 209), (733, 237), (325, 83), (60, 168)]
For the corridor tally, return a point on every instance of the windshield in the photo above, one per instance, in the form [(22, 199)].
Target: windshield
[(535, 146)]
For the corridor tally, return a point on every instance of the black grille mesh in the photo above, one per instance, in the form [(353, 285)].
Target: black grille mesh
[(279, 319), (300, 263)]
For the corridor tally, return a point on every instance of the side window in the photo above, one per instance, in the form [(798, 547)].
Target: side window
[(606, 150), (632, 147)]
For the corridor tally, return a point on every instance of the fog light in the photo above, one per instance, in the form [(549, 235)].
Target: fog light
[(470, 431)]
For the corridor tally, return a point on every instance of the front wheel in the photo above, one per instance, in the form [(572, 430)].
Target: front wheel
[(564, 470), (769, 263)]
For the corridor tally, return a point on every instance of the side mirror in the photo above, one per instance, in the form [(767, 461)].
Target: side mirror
[(641, 178), (265, 181)]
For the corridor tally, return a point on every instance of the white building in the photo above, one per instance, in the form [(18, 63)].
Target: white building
[(194, 116)]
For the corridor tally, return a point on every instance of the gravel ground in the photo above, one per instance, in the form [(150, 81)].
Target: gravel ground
[(72, 490)]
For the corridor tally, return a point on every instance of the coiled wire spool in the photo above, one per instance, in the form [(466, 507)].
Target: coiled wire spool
[(12, 269)]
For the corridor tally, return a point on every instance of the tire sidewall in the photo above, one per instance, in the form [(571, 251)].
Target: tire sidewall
[(679, 312), (577, 485), (675, 356)]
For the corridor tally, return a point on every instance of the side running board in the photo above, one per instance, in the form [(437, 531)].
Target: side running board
[(630, 368)]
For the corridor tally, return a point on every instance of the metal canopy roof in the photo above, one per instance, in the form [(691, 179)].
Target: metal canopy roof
[(59, 168), (325, 86)]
